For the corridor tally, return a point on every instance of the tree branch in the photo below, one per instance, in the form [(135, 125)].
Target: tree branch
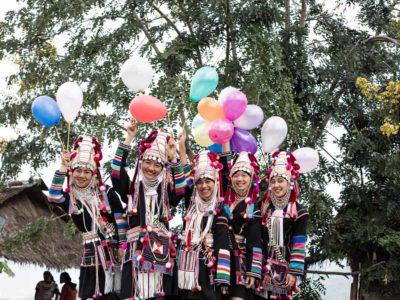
[(228, 36), (381, 38), (165, 17), (287, 14), (303, 14), (199, 62), (146, 33)]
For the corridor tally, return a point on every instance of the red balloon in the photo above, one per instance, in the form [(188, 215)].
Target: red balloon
[(145, 108)]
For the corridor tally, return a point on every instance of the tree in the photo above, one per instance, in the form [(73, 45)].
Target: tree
[(294, 59)]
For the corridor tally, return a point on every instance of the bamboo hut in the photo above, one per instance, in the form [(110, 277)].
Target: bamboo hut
[(23, 203)]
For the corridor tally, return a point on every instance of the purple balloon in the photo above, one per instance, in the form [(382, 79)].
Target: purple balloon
[(252, 118), (220, 131), (243, 140), (235, 105)]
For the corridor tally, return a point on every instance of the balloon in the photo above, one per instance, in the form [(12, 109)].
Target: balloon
[(145, 108), (224, 94), (307, 158), (46, 111), (251, 118), (197, 121), (204, 82), (69, 99), (200, 135), (221, 131), (137, 73), (235, 105), (273, 133), (210, 109), (217, 148), (243, 140)]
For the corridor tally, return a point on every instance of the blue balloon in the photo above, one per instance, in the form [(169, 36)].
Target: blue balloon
[(204, 82), (46, 111), (217, 148)]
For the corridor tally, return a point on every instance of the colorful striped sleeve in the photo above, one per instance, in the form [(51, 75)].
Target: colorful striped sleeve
[(223, 267), (297, 255), (256, 262), (178, 182), (122, 226), (189, 178), (56, 188), (120, 158)]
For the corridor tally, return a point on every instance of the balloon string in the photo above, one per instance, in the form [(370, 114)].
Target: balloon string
[(69, 130), (59, 138), (190, 107)]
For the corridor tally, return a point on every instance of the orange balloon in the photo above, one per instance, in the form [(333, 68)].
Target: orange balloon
[(145, 108), (210, 109)]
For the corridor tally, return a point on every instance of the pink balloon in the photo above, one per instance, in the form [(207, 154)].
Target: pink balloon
[(235, 105), (220, 131), (145, 108)]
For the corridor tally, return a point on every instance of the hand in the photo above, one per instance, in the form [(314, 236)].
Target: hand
[(224, 290), (171, 150), (65, 159), (250, 282), (131, 131), (290, 281), (120, 254), (182, 138)]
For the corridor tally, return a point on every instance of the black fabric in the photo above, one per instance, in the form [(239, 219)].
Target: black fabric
[(87, 281)]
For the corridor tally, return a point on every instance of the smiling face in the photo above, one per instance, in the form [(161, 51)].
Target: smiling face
[(151, 169), (279, 186), (205, 187), (241, 181), (82, 177)]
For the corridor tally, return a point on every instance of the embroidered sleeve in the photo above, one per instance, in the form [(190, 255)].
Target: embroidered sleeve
[(253, 246), (122, 226), (225, 159), (223, 267), (221, 248), (189, 178), (298, 244), (119, 176), (56, 188), (119, 160), (178, 178)]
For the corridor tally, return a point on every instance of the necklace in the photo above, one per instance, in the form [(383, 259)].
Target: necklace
[(280, 202)]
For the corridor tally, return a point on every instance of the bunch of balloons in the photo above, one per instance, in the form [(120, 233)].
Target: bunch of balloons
[(137, 75), (69, 101), (227, 119)]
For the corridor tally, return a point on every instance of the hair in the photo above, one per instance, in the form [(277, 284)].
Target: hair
[(66, 277)]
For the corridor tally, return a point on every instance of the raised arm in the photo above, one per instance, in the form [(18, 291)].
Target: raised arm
[(119, 175), (178, 179), (56, 194)]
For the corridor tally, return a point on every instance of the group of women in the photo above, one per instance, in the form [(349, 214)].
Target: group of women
[(233, 245)]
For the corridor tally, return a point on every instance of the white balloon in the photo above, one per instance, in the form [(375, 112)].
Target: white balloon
[(307, 158), (137, 73), (69, 100), (224, 93), (197, 121), (273, 133)]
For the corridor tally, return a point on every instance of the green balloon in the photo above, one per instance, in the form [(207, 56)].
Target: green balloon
[(204, 82)]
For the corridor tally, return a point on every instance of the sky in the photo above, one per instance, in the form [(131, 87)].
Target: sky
[(22, 286)]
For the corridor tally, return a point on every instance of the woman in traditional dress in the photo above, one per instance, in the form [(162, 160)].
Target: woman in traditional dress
[(158, 182), (96, 211), (284, 223), (204, 227), (244, 220)]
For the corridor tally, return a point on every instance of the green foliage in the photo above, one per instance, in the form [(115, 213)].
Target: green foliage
[(6, 269), (311, 289)]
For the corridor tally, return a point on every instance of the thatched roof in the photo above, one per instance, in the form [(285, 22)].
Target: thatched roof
[(23, 203)]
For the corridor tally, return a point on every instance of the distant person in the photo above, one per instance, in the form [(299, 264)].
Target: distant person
[(47, 288), (68, 291)]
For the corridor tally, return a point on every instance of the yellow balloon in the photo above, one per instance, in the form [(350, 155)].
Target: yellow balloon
[(201, 137), (210, 109)]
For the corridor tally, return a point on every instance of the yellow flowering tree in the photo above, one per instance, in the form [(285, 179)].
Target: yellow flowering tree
[(389, 97)]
